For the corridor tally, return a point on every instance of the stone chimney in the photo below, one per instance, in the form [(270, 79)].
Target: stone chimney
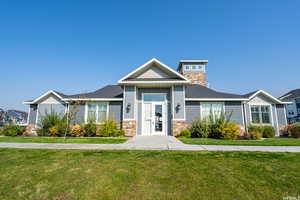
[(194, 70)]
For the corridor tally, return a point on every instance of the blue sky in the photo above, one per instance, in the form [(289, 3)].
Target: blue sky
[(79, 46)]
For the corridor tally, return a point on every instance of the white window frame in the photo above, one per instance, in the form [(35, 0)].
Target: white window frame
[(260, 118), (97, 109), (202, 103)]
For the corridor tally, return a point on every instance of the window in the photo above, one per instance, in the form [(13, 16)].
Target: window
[(154, 97), (193, 67), (260, 114), (97, 112), (187, 67), (211, 108)]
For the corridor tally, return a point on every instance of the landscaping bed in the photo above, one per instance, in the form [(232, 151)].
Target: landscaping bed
[(82, 174), (262, 142), (95, 140)]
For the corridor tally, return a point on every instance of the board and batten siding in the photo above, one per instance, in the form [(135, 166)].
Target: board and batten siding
[(192, 111), (115, 110), (32, 114), (129, 99), (179, 99), (234, 111), (79, 111)]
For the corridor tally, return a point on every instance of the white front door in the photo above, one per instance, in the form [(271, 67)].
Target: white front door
[(154, 117)]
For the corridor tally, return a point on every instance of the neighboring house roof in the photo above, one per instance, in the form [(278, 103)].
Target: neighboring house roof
[(201, 92), (290, 95)]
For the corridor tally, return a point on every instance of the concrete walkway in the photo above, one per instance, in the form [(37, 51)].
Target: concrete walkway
[(151, 143)]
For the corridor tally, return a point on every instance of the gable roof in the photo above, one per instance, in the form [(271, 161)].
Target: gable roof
[(255, 93), (57, 94), (290, 95), (177, 76), (199, 92)]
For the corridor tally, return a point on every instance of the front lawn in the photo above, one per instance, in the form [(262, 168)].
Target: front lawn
[(83, 174), (265, 142), (62, 140)]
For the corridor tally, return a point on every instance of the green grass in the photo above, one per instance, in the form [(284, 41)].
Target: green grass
[(62, 140), (79, 174), (265, 142)]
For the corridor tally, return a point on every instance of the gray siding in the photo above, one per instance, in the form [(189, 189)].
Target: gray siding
[(179, 96), (115, 110), (129, 98), (192, 110), (47, 108), (32, 114), (281, 115), (234, 110), (79, 112), (140, 91)]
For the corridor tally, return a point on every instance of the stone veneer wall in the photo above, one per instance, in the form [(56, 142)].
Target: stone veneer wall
[(178, 126), (196, 77), (129, 126)]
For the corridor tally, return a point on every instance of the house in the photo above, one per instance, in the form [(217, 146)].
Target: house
[(155, 99), (293, 109)]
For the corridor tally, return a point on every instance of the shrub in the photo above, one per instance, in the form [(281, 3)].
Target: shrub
[(295, 131), (258, 129), (185, 133), (54, 130), (268, 131), (108, 128), (77, 130), (216, 123), (199, 129), (229, 131), (120, 133), (13, 130), (90, 129), (50, 120), (254, 135), (286, 132)]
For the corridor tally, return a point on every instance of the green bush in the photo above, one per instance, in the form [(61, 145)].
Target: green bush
[(254, 135), (90, 130), (108, 128), (258, 129), (229, 131), (185, 133), (52, 124), (216, 123), (295, 131), (268, 131), (120, 133), (13, 130), (200, 129)]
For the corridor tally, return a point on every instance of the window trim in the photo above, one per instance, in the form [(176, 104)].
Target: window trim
[(215, 102), (260, 116), (97, 109)]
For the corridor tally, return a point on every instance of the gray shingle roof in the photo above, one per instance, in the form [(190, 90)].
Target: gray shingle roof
[(109, 91), (250, 94), (199, 91), (290, 95)]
